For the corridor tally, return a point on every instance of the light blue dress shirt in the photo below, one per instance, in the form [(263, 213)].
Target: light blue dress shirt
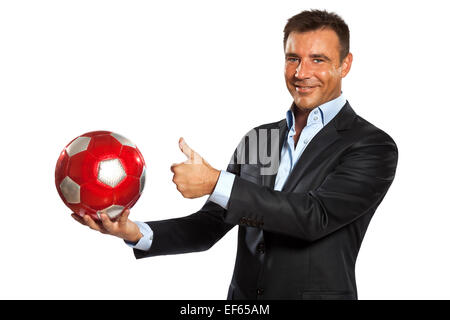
[(317, 119)]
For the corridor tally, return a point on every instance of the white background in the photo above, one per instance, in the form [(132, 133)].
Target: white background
[(208, 71)]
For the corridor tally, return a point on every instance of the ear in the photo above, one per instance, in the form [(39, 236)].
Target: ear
[(346, 65)]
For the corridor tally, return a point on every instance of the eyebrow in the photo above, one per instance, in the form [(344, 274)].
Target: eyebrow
[(314, 56)]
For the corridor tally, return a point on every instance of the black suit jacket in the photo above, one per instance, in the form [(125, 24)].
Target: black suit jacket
[(300, 242)]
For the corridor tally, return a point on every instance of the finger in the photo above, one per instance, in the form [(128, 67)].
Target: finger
[(124, 216), (91, 223), (173, 166), (106, 222), (189, 153), (193, 157)]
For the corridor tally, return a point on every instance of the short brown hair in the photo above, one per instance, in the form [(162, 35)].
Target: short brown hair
[(320, 19)]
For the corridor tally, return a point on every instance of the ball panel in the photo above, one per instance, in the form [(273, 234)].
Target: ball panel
[(141, 156), (111, 172), (126, 191), (70, 190), (61, 167), (132, 161), (124, 141), (96, 195), (95, 133), (82, 167), (84, 209), (78, 145), (133, 202), (142, 180), (76, 208), (88, 210), (112, 211), (105, 147)]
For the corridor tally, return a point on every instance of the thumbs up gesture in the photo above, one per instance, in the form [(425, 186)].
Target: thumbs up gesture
[(195, 177)]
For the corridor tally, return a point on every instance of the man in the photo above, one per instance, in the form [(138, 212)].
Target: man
[(303, 210)]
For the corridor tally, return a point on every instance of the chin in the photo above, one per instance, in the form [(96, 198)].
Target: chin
[(304, 104)]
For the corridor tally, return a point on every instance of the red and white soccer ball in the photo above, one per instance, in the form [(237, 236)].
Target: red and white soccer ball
[(100, 172)]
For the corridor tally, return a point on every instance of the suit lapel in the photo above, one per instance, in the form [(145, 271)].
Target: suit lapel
[(269, 180), (319, 144)]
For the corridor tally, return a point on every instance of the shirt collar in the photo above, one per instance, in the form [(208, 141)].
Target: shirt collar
[(323, 113)]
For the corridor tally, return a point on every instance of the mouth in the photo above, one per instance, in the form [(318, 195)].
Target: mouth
[(304, 89)]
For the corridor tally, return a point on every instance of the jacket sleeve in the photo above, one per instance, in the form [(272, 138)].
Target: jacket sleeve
[(193, 233), (355, 187)]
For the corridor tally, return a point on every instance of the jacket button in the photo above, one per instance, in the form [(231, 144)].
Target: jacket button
[(260, 248), (259, 291)]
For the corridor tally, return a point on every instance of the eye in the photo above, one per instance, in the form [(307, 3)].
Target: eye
[(317, 60), (292, 59)]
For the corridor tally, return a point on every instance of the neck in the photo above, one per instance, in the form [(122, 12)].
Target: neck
[(301, 116)]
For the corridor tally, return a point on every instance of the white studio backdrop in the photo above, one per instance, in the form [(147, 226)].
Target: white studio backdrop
[(208, 71)]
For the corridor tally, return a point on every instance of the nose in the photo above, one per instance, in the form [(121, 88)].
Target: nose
[(303, 70)]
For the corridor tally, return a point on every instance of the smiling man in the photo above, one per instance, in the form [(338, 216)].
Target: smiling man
[(302, 225)]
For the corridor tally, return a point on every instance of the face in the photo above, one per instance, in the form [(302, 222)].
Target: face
[(313, 70)]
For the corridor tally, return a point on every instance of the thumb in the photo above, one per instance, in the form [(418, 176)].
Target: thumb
[(189, 153)]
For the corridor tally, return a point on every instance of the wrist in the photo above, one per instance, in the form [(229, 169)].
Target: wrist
[(215, 174), (135, 238), (134, 234)]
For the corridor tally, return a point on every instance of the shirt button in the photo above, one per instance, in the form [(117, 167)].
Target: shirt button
[(305, 141), (315, 118), (315, 112)]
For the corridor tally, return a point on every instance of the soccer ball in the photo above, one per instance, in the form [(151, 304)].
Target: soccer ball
[(100, 172)]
